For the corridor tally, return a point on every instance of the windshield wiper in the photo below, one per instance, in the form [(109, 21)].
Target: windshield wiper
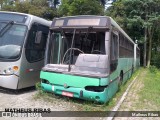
[(6, 27)]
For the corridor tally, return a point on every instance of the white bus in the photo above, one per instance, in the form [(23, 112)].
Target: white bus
[(22, 46)]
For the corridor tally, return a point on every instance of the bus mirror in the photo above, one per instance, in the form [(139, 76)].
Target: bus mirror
[(38, 37)]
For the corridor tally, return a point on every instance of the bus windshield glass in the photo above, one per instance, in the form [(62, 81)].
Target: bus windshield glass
[(78, 52), (83, 42), (11, 40), (15, 17)]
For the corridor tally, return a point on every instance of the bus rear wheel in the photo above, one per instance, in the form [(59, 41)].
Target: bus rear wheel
[(132, 70), (120, 80)]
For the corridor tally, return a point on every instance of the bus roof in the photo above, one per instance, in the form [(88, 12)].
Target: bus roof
[(120, 29), (85, 21), (21, 18), (81, 21)]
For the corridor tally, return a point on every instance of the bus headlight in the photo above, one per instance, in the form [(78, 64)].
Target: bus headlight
[(45, 81), (4, 72), (8, 71), (11, 70)]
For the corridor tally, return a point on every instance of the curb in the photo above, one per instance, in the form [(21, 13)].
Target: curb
[(121, 100)]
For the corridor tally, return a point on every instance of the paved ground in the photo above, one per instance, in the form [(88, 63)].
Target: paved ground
[(26, 99)]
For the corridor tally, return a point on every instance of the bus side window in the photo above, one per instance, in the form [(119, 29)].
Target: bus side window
[(35, 52), (114, 52)]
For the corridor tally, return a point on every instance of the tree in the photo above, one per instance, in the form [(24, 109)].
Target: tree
[(103, 2), (139, 18), (35, 7), (80, 7), (156, 48), (55, 3), (1, 3)]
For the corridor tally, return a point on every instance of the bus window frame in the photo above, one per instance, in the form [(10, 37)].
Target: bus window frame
[(36, 24), (114, 62)]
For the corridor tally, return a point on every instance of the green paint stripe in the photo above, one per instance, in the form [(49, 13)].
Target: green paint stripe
[(70, 80)]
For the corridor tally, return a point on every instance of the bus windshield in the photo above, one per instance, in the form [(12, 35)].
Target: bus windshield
[(83, 42), (11, 40), (78, 52)]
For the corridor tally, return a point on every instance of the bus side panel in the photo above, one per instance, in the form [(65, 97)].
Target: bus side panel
[(33, 55), (125, 65), (29, 73), (113, 85)]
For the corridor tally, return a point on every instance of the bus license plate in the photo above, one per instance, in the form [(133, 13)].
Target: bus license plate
[(68, 94)]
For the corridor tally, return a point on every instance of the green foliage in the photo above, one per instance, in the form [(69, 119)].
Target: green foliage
[(22, 7), (149, 95), (68, 7), (38, 86), (9, 8), (156, 60), (40, 3), (136, 15), (125, 12), (153, 69), (35, 7), (80, 7)]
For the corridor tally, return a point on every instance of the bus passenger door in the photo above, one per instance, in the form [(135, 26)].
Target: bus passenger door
[(33, 59), (113, 64)]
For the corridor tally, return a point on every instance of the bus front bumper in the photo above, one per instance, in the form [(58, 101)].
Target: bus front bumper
[(9, 81), (101, 97)]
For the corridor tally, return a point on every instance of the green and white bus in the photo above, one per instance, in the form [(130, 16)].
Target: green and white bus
[(87, 57)]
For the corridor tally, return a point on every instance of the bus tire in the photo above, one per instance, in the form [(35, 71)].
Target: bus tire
[(132, 70), (120, 81)]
